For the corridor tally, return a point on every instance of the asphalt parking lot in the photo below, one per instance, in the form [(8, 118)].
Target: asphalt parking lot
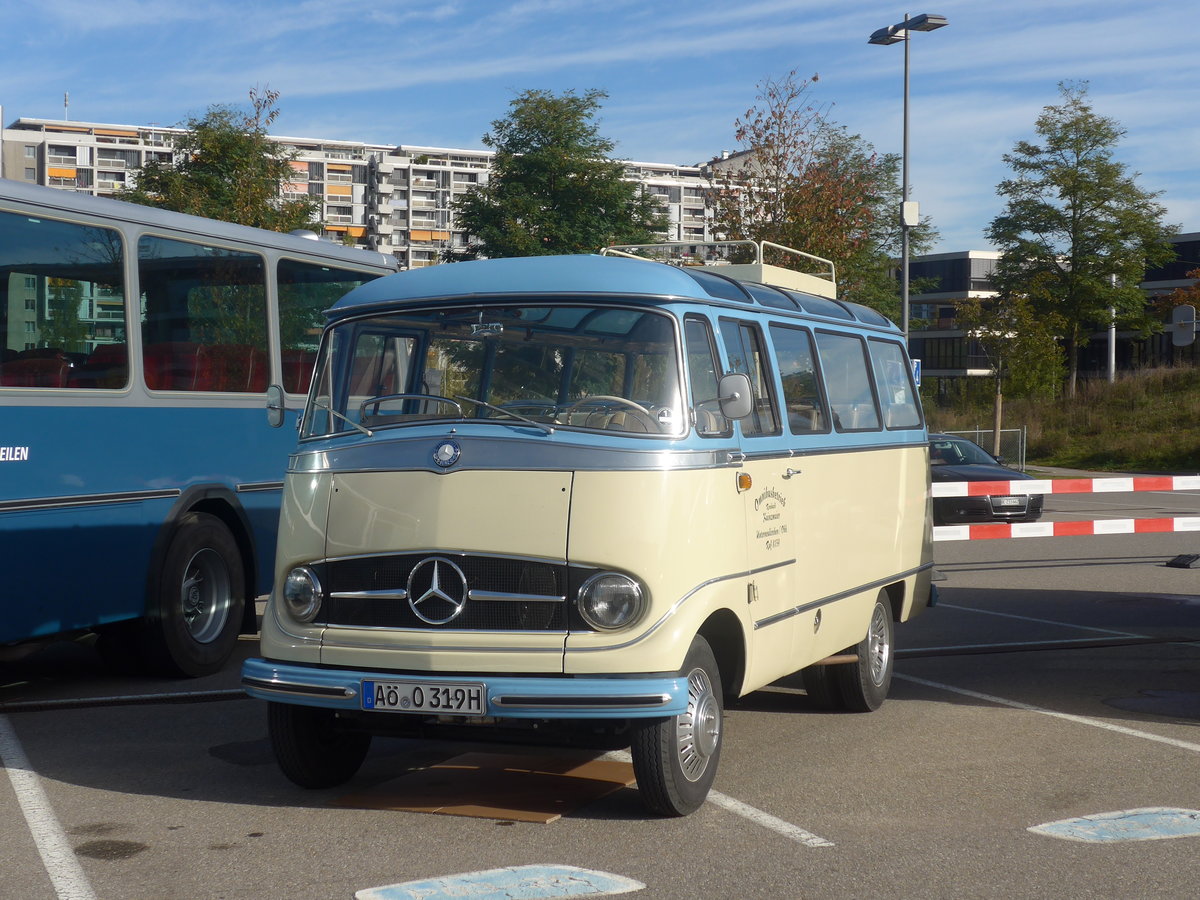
[(1059, 679)]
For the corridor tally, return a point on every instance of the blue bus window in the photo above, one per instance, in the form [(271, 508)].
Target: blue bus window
[(62, 305)]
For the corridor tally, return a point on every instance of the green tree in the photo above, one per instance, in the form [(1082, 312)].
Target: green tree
[(553, 188), (63, 328), (1022, 347), (226, 167), (805, 182), (1077, 232)]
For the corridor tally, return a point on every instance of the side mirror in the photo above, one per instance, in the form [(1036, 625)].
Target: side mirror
[(275, 406), (736, 395)]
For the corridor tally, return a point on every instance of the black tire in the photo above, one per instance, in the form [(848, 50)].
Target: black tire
[(675, 759), (821, 687), (863, 684), (193, 619), (311, 747)]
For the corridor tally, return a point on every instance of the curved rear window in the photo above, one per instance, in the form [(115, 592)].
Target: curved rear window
[(819, 306), (719, 286)]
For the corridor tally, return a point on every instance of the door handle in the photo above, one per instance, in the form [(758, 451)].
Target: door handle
[(789, 472)]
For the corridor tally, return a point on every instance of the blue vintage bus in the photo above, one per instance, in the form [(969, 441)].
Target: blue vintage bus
[(139, 483)]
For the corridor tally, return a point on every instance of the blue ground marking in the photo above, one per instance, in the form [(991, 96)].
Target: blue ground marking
[(513, 883), (1151, 823)]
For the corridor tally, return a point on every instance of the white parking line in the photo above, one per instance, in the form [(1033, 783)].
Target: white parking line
[(70, 883), (1069, 717), (992, 612), (787, 829), (746, 811)]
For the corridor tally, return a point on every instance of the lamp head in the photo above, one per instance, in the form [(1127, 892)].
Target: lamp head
[(927, 22)]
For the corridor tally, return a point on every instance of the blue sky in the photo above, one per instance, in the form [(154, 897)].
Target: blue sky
[(677, 74)]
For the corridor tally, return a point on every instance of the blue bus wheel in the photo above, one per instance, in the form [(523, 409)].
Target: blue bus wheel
[(193, 621)]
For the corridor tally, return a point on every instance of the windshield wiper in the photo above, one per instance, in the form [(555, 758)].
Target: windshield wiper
[(508, 412), (329, 409)]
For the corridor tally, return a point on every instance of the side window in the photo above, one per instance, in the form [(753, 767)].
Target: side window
[(306, 290), (703, 378), (801, 386), (744, 346), (847, 382), (62, 305), (893, 377), (204, 317)]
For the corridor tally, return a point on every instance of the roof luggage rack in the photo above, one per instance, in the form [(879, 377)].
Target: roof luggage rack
[(741, 260)]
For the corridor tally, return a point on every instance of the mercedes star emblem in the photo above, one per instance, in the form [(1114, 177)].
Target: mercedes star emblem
[(447, 454), (437, 590)]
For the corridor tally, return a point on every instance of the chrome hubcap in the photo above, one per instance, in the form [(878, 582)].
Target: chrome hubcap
[(205, 595), (698, 731), (878, 647)]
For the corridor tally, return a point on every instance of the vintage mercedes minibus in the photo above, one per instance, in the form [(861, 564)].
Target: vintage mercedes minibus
[(595, 491)]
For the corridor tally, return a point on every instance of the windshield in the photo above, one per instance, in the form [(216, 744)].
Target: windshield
[(589, 367), (958, 452)]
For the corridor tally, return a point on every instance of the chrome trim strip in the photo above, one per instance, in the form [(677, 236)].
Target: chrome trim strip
[(291, 688), (257, 486), (330, 644), (410, 452), (87, 500), (428, 551), (395, 594), (514, 598), (535, 702), (833, 598)]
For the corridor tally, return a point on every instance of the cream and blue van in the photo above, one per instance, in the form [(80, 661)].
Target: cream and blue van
[(592, 491)]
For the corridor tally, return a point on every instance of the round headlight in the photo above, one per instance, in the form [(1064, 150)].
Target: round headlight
[(302, 594), (609, 600)]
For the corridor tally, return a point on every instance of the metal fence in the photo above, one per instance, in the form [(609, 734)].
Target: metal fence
[(1012, 443)]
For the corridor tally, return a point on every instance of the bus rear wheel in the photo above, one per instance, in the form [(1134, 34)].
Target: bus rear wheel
[(675, 759), (311, 747), (863, 684), (196, 613)]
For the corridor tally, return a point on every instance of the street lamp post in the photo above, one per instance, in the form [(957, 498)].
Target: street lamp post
[(909, 214)]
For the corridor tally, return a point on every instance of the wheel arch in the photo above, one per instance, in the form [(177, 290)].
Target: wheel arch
[(724, 633), (221, 503), (895, 596)]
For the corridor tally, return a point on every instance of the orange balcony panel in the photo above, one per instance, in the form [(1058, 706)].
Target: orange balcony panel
[(338, 190), (337, 167), (55, 172)]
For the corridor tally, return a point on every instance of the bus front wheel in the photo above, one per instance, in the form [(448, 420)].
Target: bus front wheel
[(194, 619), (310, 746), (675, 759)]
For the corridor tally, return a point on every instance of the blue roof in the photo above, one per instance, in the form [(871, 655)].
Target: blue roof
[(527, 275)]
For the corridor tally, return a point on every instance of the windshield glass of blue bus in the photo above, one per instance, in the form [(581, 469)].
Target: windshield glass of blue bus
[(598, 368)]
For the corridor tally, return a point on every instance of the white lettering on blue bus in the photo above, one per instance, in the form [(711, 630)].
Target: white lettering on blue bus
[(14, 454)]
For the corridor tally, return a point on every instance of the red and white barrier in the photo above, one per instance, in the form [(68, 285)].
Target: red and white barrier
[(1066, 486), (1063, 529)]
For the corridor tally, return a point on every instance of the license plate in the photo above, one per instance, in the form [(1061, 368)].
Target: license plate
[(447, 698), (1008, 501)]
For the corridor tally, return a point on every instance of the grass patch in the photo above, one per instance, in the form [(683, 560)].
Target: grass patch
[(1147, 421)]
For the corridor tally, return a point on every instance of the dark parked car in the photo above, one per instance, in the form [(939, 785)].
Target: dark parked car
[(957, 459)]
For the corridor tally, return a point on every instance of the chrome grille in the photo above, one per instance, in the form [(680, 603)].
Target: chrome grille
[(505, 594)]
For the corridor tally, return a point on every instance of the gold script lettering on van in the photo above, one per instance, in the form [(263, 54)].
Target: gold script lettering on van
[(593, 496)]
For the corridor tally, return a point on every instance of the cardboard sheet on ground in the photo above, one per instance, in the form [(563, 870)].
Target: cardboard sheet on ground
[(499, 786)]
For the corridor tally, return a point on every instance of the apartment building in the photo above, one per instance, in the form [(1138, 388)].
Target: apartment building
[(391, 198)]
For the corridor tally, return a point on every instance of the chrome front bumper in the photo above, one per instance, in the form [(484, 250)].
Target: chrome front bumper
[(506, 696)]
